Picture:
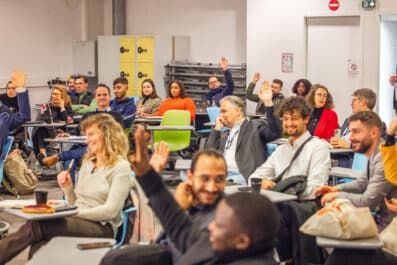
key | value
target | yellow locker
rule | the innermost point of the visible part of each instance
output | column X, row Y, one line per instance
column 144, row 71
column 127, row 70
column 145, row 49
column 127, row 49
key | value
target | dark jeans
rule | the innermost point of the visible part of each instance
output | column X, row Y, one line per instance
column 138, row 255
column 284, row 243
column 37, row 233
column 38, row 139
column 360, row 257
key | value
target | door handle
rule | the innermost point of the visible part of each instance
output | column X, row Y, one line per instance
column 123, row 74
column 141, row 50
column 123, row 50
column 140, row 75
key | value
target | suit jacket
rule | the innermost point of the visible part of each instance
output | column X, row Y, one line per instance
column 251, row 151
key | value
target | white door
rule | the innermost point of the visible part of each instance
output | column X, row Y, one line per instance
column 334, row 48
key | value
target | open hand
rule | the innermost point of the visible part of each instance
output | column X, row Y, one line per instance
column 18, row 78
column 160, row 156
column 140, row 160
column 256, row 77
column 265, row 94
column 224, row 63
column 392, row 128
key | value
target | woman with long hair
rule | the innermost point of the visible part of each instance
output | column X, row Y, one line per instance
column 323, row 120
column 101, row 190
column 150, row 101
column 58, row 110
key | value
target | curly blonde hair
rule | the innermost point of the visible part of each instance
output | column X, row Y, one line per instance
column 115, row 142
column 64, row 94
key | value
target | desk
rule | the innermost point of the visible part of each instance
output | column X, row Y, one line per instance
column 40, row 216
column 64, row 140
column 149, row 119
column 33, row 124
column 274, row 196
column 64, row 251
column 209, row 124
column 183, row 164
column 366, row 243
column 343, row 172
column 279, row 141
column 252, row 116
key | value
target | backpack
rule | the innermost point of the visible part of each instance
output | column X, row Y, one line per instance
column 18, row 178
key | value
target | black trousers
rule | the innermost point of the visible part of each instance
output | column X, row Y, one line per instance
column 138, row 255
column 360, row 257
column 38, row 138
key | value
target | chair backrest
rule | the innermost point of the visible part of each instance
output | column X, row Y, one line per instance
column 213, row 113
column 359, row 161
column 4, row 153
column 271, row 148
column 136, row 98
column 178, row 139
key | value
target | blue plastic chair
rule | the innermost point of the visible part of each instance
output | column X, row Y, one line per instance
column 3, row 156
column 124, row 227
column 359, row 163
column 271, row 148
column 136, row 98
column 213, row 113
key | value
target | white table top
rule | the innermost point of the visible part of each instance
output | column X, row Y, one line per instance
column 274, row 196
column 71, row 139
column 182, row 164
column 279, row 141
column 64, row 251
column 43, row 124
column 40, row 216
column 367, row 243
column 343, row 172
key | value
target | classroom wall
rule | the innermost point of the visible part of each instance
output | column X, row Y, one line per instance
column 274, row 27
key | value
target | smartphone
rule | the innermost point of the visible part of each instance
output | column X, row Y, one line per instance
column 65, row 208
column 337, row 133
column 92, row 245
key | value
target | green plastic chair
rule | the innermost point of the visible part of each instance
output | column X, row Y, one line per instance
column 176, row 139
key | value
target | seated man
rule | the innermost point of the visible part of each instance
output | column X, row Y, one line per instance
column 277, row 98
column 217, row 92
column 237, row 235
column 102, row 96
column 244, row 145
column 199, row 196
column 371, row 188
column 364, row 99
column 82, row 98
column 10, row 120
column 374, row 257
column 313, row 161
column 121, row 103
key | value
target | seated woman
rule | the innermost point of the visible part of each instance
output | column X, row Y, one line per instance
column 178, row 101
column 150, row 101
column 301, row 87
column 57, row 110
column 100, row 193
column 9, row 98
column 323, row 120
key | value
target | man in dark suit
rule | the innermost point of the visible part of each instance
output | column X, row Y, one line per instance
column 10, row 120
column 244, row 145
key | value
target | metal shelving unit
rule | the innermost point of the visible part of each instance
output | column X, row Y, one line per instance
column 195, row 77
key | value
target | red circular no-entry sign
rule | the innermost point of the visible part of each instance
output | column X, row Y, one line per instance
column 333, row 5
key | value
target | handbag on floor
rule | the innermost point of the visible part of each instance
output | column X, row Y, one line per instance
column 389, row 237
column 18, row 178
column 341, row 220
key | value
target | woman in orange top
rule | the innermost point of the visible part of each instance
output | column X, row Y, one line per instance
column 177, row 101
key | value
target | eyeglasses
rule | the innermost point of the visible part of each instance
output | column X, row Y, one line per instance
column 321, row 95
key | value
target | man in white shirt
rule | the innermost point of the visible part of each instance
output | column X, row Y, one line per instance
column 314, row 159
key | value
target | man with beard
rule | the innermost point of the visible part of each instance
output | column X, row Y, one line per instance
column 121, row 103
column 371, row 188
column 199, row 196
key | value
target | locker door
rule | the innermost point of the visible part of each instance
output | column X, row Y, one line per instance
column 127, row 70
column 145, row 49
column 127, row 49
column 144, row 71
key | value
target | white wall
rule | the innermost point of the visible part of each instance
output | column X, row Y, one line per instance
column 216, row 28
column 274, row 27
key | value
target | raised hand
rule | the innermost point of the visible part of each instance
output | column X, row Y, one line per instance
column 392, row 128
column 140, row 160
column 160, row 156
column 18, row 78
column 265, row 94
column 256, row 77
column 224, row 63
